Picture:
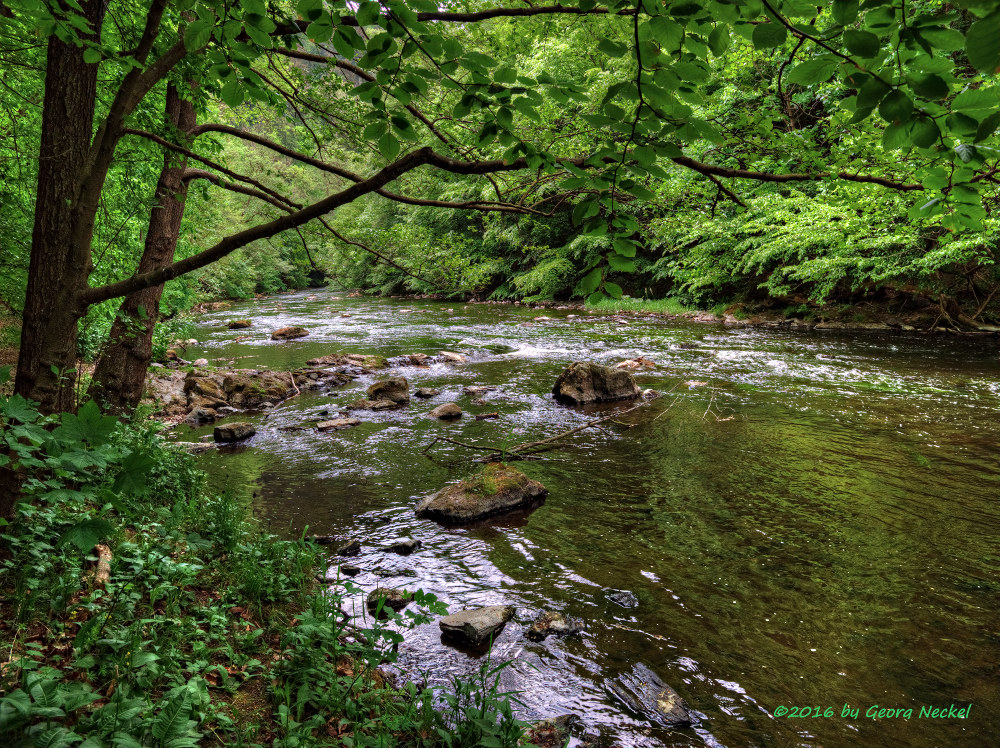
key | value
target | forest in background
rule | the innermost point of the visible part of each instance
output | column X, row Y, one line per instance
column 703, row 241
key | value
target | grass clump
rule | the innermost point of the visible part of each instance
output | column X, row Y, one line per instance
column 139, row 610
column 495, row 478
column 670, row 305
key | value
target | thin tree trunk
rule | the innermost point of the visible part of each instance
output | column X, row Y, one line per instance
column 60, row 244
column 120, row 376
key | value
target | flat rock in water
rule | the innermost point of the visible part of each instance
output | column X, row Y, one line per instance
column 497, row 489
column 643, row 691
column 337, row 423
column 552, row 623
column 447, row 412
column 475, row 390
column 373, row 405
column 477, row 625
column 350, row 359
column 396, row 389
column 425, row 392
column 287, row 333
column 239, row 324
column 584, row 382
column 393, row 599
column 349, row 547
column 234, row 432
column 625, row 598
column 404, row 547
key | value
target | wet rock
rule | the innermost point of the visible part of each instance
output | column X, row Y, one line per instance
column 287, row 333
column 497, row 489
column 625, row 598
column 201, row 362
column 349, row 570
column 476, row 390
column 425, row 392
column 195, row 448
column 382, row 599
column 384, row 573
column 404, row 547
column 337, row 423
column 477, row 625
column 234, row 432
column 552, row 623
column 200, row 415
column 643, row 691
column 203, row 390
column 553, row 732
column 252, row 389
column 346, row 547
column 451, row 357
column 239, row 324
column 636, row 364
column 361, row 361
column 447, row 412
column 650, row 394
column 486, row 416
column 584, row 382
column 373, row 405
column 396, row 389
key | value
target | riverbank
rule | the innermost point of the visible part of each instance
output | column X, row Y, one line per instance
column 138, row 608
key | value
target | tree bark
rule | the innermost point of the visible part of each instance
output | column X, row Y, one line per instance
column 60, row 244
column 120, row 376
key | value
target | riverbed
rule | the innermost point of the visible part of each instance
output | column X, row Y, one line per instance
column 808, row 519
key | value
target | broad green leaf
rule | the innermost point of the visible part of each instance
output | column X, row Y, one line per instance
column 845, row 11
column 589, row 282
column 924, row 132
column 718, row 40
column 667, row 32
column 624, row 247
column 769, row 35
column 388, row 146
column 85, row 535
column 613, row 290
column 812, row 71
column 610, row 48
column 91, row 55
column 197, row 35
column 982, row 44
column 896, row 107
column 621, row 264
column 932, row 87
column 977, row 100
column 861, row 43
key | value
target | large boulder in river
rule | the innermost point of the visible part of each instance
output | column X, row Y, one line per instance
column 478, row 625
column 396, row 389
column 643, row 690
column 239, row 324
column 584, row 382
column 446, row 412
column 497, row 489
column 248, row 390
column 234, row 432
column 287, row 333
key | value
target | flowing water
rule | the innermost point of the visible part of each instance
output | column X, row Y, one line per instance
column 807, row 519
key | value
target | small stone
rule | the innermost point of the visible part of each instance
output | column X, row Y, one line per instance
column 382, row 599
column 234, row 432
column 404, row 547
column 201, row 362
column 239, row 324
column 287, row 333
column 201, row 415
column 552, row 623
column 446, row 412
column 625, row 598
column 350, row 571
column 475, row 390
column 348, row 547
column 425, row 392
column 451, row 357
column 478, row 625
column 373, row 405
column 486, row 416
column 337, row 423
column 396, row 389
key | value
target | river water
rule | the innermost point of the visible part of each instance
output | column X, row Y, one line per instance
column 807, row 519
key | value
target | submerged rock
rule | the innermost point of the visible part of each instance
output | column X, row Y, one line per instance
column 497, row 489
column 425, row 392
column 625, row 598
column 337, row 423
column 447, row 412
column 287, row 333
column 405, row 547
column 643, row 691
column 234, row 432
column 552, row 623
column 584, row 382
column 382, row 599
column 362, row 361
column 348, row 547
column 478, row 625
column 396, row 389
column 553, row 732
column 373, row 405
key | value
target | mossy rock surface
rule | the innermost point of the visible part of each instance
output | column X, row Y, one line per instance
column 496, row 490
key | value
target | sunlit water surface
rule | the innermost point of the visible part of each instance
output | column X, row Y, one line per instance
column 815, row 524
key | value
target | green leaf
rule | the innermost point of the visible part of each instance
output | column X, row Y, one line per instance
column 613, row 290
column 845, row 11
column 620, row 264
column 932, row 87
column 982, row 44
column 624, row 247
column 91, row 55
column 232, row 93
column 197, row 35
column 172, row 719
column 977, row 99
column 87, row 534
column 388, row 146
column 896, row 107
column 812, row 71
column 667, row 32
column 589, row 282
column 718, row 40
column 769, row 35
column 947, row 40
column 924, row 132
column 861, row 43
column 610, row 48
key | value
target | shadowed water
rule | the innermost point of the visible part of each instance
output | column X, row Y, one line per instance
column 807, row 519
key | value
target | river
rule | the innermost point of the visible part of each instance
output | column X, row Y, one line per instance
column 807, row 519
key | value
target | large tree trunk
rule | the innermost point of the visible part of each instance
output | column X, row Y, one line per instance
column 60, row 244
column 120, row 376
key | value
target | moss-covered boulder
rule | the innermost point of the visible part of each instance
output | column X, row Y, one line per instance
column 396, row 389
column 584, row 382
column 245, row 390
column 496, row 490
column 287, row 333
